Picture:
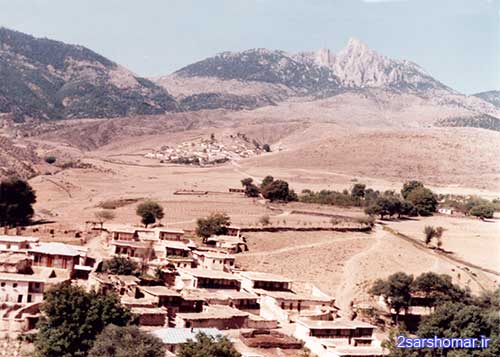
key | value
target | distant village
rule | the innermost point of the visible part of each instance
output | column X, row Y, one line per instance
column 210, row 151
column 198, row 288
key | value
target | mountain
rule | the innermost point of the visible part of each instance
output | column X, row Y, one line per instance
column 358, row 66
column 47, row 79
column 492, row 97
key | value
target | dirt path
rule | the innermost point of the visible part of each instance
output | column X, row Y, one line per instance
column 347, row 288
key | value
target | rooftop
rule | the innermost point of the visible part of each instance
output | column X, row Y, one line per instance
column 214, row 255
column 261, row 276
column 56, row 248
column 21, row 277
column 159, row 291
column 213, row 312
column 175, row 244
column 128, row 243
column 291, row 295
column 18, row 239
column 209, row 274
column 174, row 336
column 12, row 257
column 335, row 324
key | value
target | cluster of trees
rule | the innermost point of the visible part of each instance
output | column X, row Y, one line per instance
column 16, row 202
column 398, row 288
column 207, row 346
column 415, row 199
column 455, row 314
column 150, row 212
column 214, row 224
column 271, row 189
column 471, row 205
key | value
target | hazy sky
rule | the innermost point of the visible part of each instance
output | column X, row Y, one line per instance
column 457, row 41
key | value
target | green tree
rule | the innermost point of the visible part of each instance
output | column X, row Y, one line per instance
column 430, row 232
column 207, row 346
column 396, row 291
column 409, row 186
column 126, row 341
column 266, row 181
column 246, row 181
column 214, row 224
column 120, row 266
column 278, row 190
column 150, row 211
column 439, row 288
column 72, row 318
column 424, row 200
column 251, row 190
column 482, row 211
column 16, row 202
column 358, row 191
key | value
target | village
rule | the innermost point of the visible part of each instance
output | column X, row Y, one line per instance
column 209, row 151
column 191, row 288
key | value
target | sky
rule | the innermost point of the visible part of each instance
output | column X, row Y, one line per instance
column 456, row 41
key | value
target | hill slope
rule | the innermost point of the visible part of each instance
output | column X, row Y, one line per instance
column 42, row 78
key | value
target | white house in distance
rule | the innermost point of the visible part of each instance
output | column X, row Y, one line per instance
column 21, row 288
column 16, row 243
column 338, row 338
column 214, row 260
column 251, row 280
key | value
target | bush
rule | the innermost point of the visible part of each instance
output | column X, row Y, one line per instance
column 50, row 159
column 482, row 211
column 265, row 220
column 120, row 266
column 214, row 224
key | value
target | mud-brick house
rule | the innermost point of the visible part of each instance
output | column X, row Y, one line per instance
column 162, row 296
column 59, row 256
column 218, row 316
column 21, row 288
column 127, row 233
column 170, row 234
column 15, row 262
column 258, row 280
column 338, row 338
column 151, row 316
column 230, row 243
column 176, row 249
column 206, row 279
column 16, row 243
column 132, row 249
column 214, row 260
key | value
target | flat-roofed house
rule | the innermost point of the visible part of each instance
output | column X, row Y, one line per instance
column 177, row 249
column 206, row 279
column 229, row 243
column 15, row 262
column 16, row 243
column 21, row 288
column 170, row 234
column 57, row 255
column 127, row 233
column 258, row 280
column 131, row 249
column 338, row 338
column 173, row 338
column 213, row 260
column 162, row 295
column 218, row 316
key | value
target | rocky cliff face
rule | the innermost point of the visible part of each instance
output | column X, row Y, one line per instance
column 47, row 79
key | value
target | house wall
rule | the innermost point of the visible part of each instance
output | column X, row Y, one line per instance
column 13, row 246
column 235, row 322
column 171, row 236
column 21, row 291
column 55, row 261
column 153, row 319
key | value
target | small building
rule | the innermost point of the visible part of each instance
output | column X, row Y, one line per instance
column 177, row 249
column 218, row 316
column 151, row 316
column 173, row 338
column 21, row 288
column 233, row 231
column 338, row 338
column 230, row 243
column 206, row 279
column 123, row 234
column 214, row 260
column 16, row 243
column 170, row 234
column 58, row 255
column 238, row 299
column 162, row 295
column 121, row 284
column 132, row 249
column 180, row 262
column 258, row 280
